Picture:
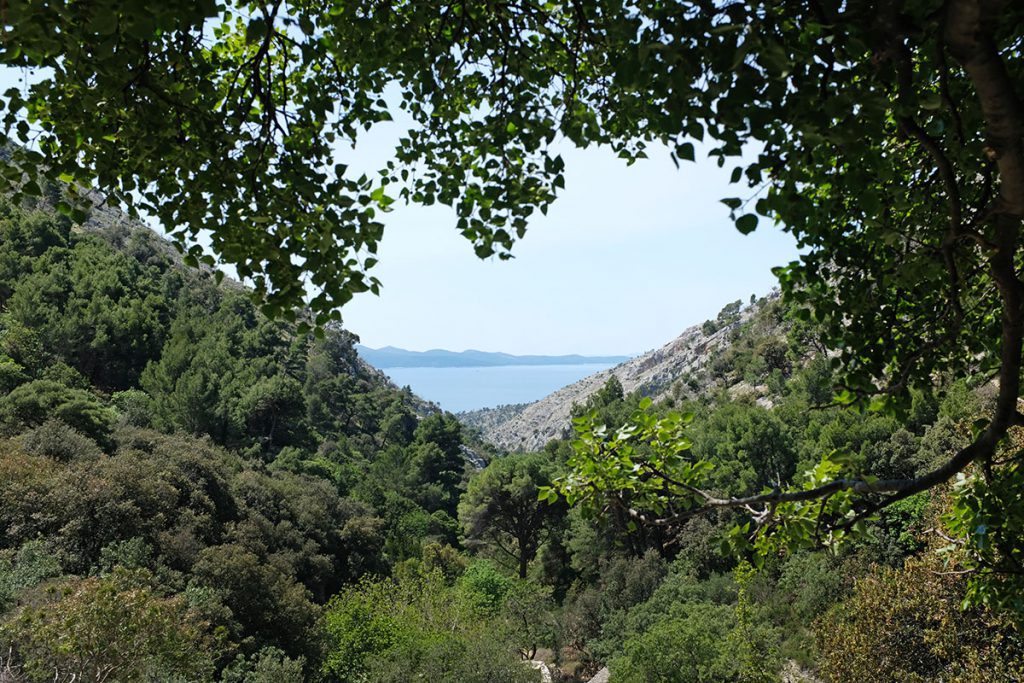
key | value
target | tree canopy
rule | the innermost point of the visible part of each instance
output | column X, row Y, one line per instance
column 501, row 508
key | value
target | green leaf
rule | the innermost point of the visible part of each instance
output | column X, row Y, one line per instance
column 105, row 22
column 256, row 31
column 746, row 223
column 685, row 151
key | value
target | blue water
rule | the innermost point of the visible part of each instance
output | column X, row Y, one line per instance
column 457, row 389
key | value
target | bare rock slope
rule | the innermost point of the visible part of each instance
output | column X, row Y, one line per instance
column 528, row 427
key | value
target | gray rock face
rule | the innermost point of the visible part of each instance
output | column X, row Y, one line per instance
column 531, row 426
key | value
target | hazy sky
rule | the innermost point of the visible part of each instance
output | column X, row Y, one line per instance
column 627, row 258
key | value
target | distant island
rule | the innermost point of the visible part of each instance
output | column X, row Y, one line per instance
column 392, row 357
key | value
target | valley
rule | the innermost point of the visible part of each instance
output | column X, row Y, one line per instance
column 208, row 476
column 270, row 491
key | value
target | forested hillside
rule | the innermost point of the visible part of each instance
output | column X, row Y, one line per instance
column 192, row 492
column 184, row 484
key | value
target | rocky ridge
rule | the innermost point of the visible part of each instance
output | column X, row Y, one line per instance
column 528, row 427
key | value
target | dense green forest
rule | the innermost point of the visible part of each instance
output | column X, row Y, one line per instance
column 201, row 482
column 185, row 483
column 190, row 491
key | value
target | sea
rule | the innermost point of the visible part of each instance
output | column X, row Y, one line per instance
column 459, row 389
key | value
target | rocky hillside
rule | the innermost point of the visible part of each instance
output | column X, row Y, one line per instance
column 696, row 360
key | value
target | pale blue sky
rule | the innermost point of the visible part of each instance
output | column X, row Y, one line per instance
column 627, row 258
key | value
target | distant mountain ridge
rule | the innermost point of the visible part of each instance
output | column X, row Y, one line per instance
column 393, row 357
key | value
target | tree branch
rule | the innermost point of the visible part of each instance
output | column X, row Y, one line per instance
column 900, row 489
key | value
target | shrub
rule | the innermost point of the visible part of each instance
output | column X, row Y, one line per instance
column 56, row 440
column 269, row 665
column 34, row 403
column 116, row 627
column 907, row 625
column 25, row 568
column 11, row 374
column 134, row 406
column 688, row 646
column 388, row 631
column 484, row 587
